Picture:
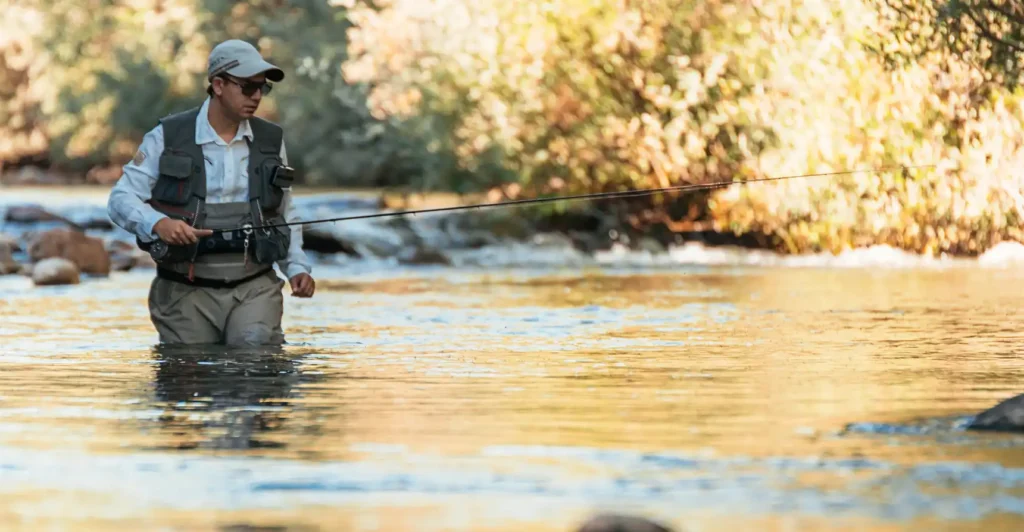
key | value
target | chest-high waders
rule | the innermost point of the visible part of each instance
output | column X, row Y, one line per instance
column 223, row 289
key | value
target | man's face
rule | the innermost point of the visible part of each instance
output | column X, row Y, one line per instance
column 241, row 96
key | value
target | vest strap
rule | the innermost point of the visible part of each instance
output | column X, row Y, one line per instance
column 164, row 208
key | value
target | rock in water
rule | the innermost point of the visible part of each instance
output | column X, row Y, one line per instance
column 10, row 242
column 87, row 253
column 122, row 255
column 423, row 256
column 121, row 262
column 7, row 263
column 1005, row 416
column 621, row 523
column 29, row 214
column 54, row 271
column 144, row 261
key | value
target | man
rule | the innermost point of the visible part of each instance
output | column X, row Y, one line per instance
column 199, row 194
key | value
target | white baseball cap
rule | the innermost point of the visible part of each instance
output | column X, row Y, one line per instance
column 240, row 59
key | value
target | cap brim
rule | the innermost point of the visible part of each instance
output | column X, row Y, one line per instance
column 245, row 71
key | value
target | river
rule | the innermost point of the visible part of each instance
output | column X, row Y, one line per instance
column 706, row 394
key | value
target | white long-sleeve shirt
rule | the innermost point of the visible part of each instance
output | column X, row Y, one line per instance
column 227, row 180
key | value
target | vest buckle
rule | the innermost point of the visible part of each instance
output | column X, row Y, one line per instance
column 247, row 231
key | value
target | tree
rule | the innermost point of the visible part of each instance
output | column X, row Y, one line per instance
column 988, row 34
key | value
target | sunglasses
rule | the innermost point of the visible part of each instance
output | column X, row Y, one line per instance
column 250, row 87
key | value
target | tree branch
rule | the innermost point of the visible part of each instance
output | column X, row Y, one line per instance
column 1015, row 18
column 986, row 33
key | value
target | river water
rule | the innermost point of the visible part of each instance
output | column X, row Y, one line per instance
column 714, row 395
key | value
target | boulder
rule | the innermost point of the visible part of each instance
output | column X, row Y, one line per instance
column 143, row 260
column 1006, row 416
column 27, row 214
column 122, row 255
column 423, row 256
column 121, row 262
column 126, row 256
column 415, row 238
column 10, row 241
column 54, row 271
column 621, row 523
column 650, row 245
column 7, row 263
column 80, row 217
column 88, row 217
column 325, row 242
column 87, row 253
column 364, row 238
column 35, row 175
column 114, row 245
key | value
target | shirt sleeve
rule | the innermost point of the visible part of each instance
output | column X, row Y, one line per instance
column 127, row 205
column 296, row 262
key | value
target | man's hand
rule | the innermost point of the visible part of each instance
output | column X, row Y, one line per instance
column 303, row 285
column 178, row 233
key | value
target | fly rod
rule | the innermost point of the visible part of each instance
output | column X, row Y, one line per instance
column 591, row 196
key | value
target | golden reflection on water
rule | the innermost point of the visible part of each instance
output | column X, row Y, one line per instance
column 443, row 369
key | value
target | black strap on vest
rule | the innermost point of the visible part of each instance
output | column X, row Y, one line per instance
column 179, row 136
column 265, row 193
column 176, row 277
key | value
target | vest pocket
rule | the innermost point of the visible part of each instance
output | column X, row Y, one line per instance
column 174, row 186
column 273, row 179
column 272, row 245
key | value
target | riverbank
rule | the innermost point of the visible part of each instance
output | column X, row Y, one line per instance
column 476, row 238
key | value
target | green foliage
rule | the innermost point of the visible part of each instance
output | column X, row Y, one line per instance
column 99, row 72
column 102, row 72
column 330, row 134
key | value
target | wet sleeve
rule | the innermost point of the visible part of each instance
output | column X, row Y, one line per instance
column 127, row 205
column 297, row 262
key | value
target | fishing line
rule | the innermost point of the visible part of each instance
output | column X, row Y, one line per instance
column 591, row 196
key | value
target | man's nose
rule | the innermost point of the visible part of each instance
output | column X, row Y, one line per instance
column 258, row 95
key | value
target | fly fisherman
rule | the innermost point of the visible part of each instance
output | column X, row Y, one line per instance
column 217, row 167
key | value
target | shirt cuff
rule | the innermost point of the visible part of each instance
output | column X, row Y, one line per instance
column 295, row 269
column 148, row 221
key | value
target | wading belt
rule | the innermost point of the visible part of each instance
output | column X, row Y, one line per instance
column 206, row 283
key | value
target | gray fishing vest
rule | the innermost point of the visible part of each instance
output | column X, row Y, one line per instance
column 180, row 193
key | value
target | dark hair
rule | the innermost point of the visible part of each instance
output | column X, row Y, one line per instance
column 209, row 88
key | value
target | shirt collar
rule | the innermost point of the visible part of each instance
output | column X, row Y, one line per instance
column 205, row 133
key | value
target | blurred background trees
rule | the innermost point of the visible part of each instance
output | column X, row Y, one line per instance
column 988, row 34
column 565, row 96
column 85, row 79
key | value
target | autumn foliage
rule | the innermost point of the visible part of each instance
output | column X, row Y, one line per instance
column 565, row 96
column 587, row 95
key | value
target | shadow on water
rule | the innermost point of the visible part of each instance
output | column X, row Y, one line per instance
column 218, row 397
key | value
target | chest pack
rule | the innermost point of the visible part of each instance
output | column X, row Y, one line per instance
column 180, row 193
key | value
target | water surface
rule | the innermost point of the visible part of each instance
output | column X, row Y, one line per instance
column 510, row 399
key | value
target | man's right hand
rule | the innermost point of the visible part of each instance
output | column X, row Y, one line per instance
column 178, row 233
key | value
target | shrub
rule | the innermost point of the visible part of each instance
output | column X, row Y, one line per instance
column 574, row 95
